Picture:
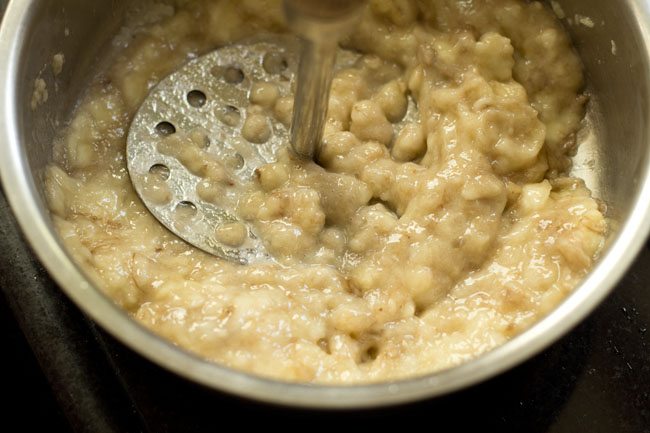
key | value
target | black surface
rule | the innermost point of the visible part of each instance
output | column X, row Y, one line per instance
column 596, row 379
column 31, row 402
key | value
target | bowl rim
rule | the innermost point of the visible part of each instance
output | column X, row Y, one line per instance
column 33, row 219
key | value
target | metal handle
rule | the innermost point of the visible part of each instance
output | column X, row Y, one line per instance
column 322, row 23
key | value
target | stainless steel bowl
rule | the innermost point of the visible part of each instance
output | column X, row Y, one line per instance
column 613, row 159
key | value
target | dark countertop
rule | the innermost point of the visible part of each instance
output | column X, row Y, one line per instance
column 77, row 378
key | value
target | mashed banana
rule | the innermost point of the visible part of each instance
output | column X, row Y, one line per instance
column 412, row 247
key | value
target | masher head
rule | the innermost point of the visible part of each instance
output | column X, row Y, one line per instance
column 191, row 154
column 186, row 154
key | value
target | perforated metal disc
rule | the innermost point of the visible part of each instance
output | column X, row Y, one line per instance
column 201, row 110
column 205, row 104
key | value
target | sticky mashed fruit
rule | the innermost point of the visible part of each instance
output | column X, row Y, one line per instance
column 414, row 245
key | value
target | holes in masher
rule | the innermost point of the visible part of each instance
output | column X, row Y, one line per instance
column 185, row 210
column 233, row 75
column 229, row 115
column 235, row 162
column 196, row 98
column 165, row 128
column 200, row 138
column 161, row 171
column 274, row 63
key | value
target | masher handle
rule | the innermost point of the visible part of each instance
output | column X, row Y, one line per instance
column 322, row 24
